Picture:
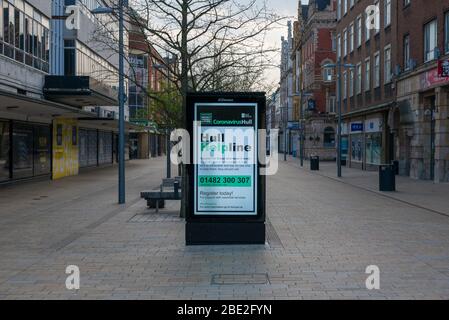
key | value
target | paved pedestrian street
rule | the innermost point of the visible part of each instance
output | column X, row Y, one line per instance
column 322, row 235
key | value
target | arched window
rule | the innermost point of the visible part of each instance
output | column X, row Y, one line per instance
column 329, row 137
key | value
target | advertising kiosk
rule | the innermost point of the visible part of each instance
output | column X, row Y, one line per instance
column 226, row 193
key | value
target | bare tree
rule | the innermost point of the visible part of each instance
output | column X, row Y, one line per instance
column 220, row 44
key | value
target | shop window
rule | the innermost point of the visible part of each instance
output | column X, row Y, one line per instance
column 22, row 151
column 59, row 135
column 357, row 148
column 74, row 136
column 4, row 151
column 42, row 150
column 373, row 148
column 329, row 137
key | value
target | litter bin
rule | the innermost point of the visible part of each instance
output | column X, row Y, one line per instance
column 387, row 178
column 395, row 164
column 314, row 163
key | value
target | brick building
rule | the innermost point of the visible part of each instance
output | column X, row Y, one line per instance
column 146, row 76
column 368, row 88
column 420, row 120
column 314, row 47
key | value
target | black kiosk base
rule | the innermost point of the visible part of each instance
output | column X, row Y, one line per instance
column 203, row 233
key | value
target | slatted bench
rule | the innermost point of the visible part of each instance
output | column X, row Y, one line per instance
column 156, row 198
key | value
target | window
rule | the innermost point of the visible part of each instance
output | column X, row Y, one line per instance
column 351, row 82
column 387, row 64
column 376, row 70
column 377, row 15
column 4, row 150
column 387, row 12
column 358, row 83
column 430, row 40
column 357, row 148
column 406, row 2
column 329, row 137
column 359, row 31
column 446, row 32
column 367, row 28
column 345, row 6
column 339, row 9
column 25, row 34
column 406, row 49
column 327, row 74
column 345, row 43
column 338, row 46
column 373, row 148
column 331, row 104
column 367, row 74
column 351, row 3
column 345, row 84
column 351, row 37
column 334, row 42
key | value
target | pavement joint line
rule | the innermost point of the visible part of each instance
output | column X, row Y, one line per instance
column 378, row 193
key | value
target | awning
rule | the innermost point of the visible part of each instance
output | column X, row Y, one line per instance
column 79, row 91
column 22, row 106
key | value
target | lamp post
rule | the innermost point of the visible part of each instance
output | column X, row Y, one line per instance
column 339, row 65
column 302, row 126
column 167, row 130
column 121, row 95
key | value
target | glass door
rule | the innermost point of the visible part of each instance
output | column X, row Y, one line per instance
column 42, row 150
column 22, row 151
column 4, row 151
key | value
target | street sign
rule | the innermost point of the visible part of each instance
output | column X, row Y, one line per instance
column 294, row 126
column 311, row 105
column 356, row 127
column 226, row 192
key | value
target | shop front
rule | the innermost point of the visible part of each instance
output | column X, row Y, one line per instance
column 421, row 125
column 366, row 141
column 25, row 150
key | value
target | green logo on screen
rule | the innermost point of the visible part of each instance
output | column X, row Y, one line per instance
column 206, row 118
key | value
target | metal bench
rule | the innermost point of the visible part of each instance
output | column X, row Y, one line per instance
column 156, row 199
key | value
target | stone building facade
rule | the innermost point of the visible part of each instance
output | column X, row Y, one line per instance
column 420, row 120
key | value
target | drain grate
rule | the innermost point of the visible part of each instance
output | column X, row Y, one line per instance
column 272, row 237
column 39, row 198
column 240, row 279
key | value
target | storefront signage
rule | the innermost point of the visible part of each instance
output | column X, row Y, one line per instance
column 294, row 126
column 432, row 78
column 356, row 127
column 443, row 68
column 373, row 125
column 225, row 159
